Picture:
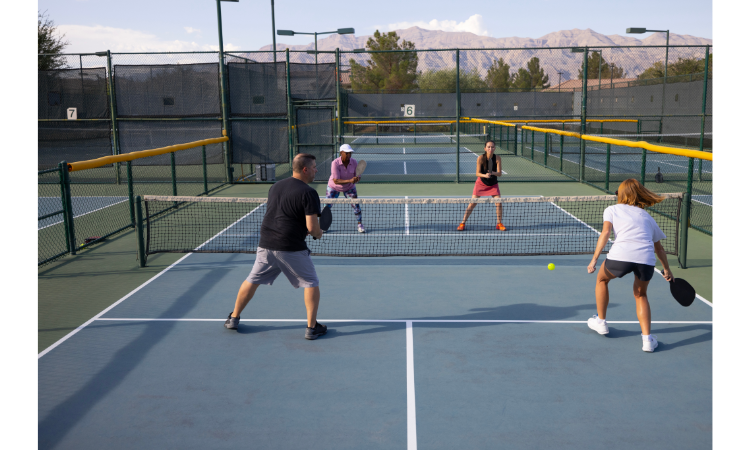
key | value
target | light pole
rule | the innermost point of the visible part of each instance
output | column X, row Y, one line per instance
column 273, row 30
column 223, row 88
column 316, row 33
column 666, row 60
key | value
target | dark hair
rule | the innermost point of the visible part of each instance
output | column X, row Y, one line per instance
column 484, row 154
column 301, row 161
column 488, row 141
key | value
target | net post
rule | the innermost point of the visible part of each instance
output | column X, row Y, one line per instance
column 458, row 113
column 606, row 169
column 139, row 233
column 68, row 208
column 63, row 167
column 131, row 196
column 205, row 170
column 584, row 99
column 174, row 173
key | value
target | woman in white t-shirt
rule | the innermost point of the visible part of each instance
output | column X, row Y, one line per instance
column 637, row 238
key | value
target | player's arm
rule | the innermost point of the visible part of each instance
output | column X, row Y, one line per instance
column 479, row 169
column 603, row 238
column 662, row 255
column 313, row 226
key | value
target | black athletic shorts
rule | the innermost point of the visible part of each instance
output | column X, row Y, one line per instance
column 644, row 272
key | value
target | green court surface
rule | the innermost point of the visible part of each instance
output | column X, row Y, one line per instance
column 440, row 352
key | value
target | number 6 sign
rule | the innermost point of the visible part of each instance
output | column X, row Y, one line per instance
column 408, row 110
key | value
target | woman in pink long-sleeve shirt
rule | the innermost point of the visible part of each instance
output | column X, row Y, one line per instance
column 343, row 180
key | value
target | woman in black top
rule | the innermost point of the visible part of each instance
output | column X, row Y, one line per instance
column 486, row 183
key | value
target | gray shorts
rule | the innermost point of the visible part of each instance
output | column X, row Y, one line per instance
column 297, row 266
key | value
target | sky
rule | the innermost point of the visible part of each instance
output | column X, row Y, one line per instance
column 189, row 25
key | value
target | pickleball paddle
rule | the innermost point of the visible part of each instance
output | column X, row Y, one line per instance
column 361, row 166
column 681, row 291
column 326, row 218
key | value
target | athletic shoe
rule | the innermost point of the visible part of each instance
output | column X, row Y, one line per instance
column 318, row 330
column 232, row 322
column 651, row 344
column 500, row 227
column 600, row 328
column 360, row 228
column 461, row 227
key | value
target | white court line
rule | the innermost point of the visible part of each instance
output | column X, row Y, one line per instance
column 88, row 212
column 411, row 408
column 375, row 234
column 404, row 150
column 98, row 316
column 663, row 322
column 579, row 220
column 404, row 167
column 406, row 217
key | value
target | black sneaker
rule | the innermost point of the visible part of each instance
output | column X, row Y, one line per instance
column 313, row 333
column 231, row 322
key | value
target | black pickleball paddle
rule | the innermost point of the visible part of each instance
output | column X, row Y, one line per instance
column 681, row 290
column 326, row 218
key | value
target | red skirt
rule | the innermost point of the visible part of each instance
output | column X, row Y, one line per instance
column 482, row 190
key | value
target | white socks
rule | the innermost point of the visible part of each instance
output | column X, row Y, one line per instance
column 600, row 321
column 646, row 337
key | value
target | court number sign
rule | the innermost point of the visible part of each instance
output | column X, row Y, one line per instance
column 408, row 110
column 72, row 114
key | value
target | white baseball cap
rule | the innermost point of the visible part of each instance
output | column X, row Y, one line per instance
column 346, row 148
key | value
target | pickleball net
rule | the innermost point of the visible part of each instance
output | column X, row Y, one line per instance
column 400, row 226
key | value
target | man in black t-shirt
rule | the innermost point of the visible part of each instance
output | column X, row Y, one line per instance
column 291, row 214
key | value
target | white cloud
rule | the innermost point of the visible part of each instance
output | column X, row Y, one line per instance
column 474, row 24
column 89, row 39
column 192, row 30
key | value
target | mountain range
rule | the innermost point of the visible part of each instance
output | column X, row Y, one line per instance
column 516, row 51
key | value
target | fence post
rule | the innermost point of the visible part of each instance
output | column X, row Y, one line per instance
column 703, row 112
column 131, row 192
column 562, row 149
column 68, row 208
column 63, row 167
column 113, row 114
column 546, row 148
column 174, row 173
column 139, row 232
column 584, row 99
column 685, row 218
column 224, row 119
column 289, row 111
column 606, row 169
column 458, row 113
column 532, row 145
column 205, row 170
column 338, row 98
column 643, row 166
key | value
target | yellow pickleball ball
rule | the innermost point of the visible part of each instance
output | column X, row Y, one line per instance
column 551, row 266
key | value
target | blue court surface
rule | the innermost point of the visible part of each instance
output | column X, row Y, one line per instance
column 444, row 353
column 81, row 207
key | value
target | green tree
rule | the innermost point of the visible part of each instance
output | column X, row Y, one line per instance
column 499, row 77
column 683, row 66
column 51, row 42
column 386, row 71
column 533, row 77
column 609, row 70
column 444, row 80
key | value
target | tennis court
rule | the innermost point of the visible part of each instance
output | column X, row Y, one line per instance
column 81, row 207
column 430, row 352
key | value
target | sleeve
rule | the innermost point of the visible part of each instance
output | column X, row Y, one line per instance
column 609, row 215
column 311, row 202
column 656, row 233
column 335, row 175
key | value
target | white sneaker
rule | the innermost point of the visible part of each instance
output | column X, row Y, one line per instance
column 600, row 328
column 360, row 228
column 651, row 344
